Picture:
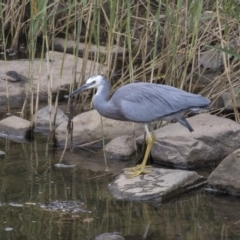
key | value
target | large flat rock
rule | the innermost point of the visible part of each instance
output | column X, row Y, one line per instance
column 158, row 185
column 58, row 71
column 87, row 128
column 226, row 178
column 212, row 140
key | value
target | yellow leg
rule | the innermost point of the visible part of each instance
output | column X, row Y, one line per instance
column 140, row 169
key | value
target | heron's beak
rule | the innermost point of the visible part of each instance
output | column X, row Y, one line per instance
column 81, row 89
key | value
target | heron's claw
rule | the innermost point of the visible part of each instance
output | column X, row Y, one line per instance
column 136, row 168
column 136, row 171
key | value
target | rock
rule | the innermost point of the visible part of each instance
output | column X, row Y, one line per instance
column 8, row 229
column 16, row 76
column 202, row 80
column 212, row 59
column 198, row 82
column 226, row 178
column 158, row 185
column 207, row 77
column 87, row 128
column 61, row 44
column 43, row 116
column 212, row 140
column 2, row 154
column 65, row 206
column 15, row 127
column 61, row 74
column 88, row 220
column 122, row 148
column 110, row 236
column 234, row 43
column 227, row 99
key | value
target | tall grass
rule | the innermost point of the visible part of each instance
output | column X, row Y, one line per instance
column 160, row 41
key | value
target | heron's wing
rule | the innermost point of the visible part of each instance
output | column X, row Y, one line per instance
column 144, row 102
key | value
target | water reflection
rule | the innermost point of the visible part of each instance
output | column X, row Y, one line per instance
column 29, row 179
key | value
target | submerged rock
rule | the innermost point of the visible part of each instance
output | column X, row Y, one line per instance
column 212, row 140
column 16, row 204
column 226, row 178
column 158, row 185
column 8, row 229
column 87, row 128
column 64, row 206
column 43, row 117
column 110, row 236
column 15, row 127
column 122, row 148
column 2, row 154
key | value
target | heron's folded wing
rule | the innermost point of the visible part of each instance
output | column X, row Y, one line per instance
column 141, row 102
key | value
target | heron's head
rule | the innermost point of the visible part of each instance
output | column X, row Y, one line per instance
column 95, row 81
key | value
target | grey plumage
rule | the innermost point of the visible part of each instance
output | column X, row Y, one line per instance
column 144, row 102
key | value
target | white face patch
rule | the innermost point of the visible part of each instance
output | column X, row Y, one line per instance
column 97, row 79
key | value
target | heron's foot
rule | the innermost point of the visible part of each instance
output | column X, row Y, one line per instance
column 136, row 171
column 137, row 168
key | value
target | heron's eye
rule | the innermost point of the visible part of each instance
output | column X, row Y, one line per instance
column 93, row 82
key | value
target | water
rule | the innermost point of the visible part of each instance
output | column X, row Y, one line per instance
column 41, row 201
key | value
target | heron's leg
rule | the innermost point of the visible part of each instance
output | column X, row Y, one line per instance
column 140, row 169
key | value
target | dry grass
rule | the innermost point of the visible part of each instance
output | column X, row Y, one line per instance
column 164, row 42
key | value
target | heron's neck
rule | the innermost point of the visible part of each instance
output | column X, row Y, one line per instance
column 102, row 93
column 101, row 98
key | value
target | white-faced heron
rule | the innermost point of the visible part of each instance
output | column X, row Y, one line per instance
column 143, row 103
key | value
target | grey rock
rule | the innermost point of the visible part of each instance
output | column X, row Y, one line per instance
column 2, row 154
column 226, row 178
column 61, row 76
column 87, row 128
column 16, row 76
column 61, row 44
column 213, row 139
column 203, row 79
column 43, row 117
column 15, row 127
column 64, row 206
column 122, row 148
column 227, row 99
column 110, row 236
column 211, row 59
column 158, row 185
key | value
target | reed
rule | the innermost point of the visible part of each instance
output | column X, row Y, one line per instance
column 162, row 41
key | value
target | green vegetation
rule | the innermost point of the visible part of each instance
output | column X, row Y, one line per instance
column 163, row 41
